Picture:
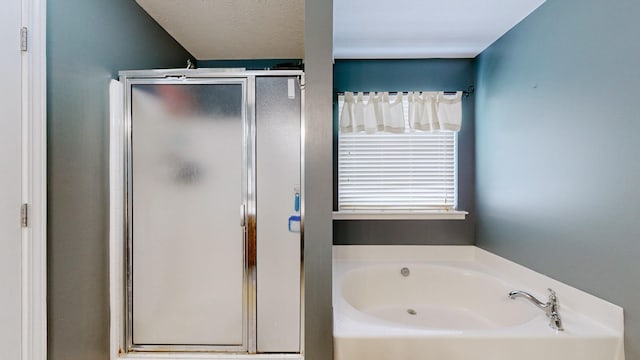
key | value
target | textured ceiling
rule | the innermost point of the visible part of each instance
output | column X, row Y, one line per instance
column 233, row 29
column 274, row 29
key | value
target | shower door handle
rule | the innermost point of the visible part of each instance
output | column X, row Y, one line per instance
column 243, row 215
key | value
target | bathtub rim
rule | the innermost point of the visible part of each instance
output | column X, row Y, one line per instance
column 602, row 312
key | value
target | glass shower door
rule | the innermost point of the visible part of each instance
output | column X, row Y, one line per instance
column 187, row 179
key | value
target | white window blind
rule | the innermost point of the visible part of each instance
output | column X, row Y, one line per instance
column 413, row 170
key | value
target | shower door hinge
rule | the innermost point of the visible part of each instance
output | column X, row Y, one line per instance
column 23, row 38
column 24, row 215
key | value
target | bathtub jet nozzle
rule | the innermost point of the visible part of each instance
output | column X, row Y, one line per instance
column 405, row 271
column 550, row 307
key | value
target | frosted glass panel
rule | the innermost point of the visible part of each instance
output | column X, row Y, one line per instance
column 278, row 137
column 187, row 189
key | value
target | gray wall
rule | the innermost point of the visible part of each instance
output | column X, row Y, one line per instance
column 88, row 42
column 318, row 52
column 558, row 139
column 408, row 75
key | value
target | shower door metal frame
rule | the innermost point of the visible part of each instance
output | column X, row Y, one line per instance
column 247, row 219
column 121, row 342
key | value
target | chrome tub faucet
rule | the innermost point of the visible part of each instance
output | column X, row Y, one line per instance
column 550, row 307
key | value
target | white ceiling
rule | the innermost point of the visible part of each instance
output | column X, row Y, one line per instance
column 274, row 29
column 422, row 28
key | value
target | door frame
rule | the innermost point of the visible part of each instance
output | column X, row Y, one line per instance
column 34, row 182
column 247, row 199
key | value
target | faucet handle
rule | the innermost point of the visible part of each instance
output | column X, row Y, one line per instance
column 552, row 305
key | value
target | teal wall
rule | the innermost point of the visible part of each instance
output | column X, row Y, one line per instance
column 558, row 144
column 87, row 43
column 250, row 64
column 413, row 75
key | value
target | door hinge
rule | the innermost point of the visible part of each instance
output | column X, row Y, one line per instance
column 24, row 215
column 23, row 38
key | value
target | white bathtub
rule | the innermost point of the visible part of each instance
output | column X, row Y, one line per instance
column 453, row 305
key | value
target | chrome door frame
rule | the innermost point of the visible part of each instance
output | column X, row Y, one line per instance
column 248, row 200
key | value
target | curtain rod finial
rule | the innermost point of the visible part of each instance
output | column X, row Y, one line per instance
column 470, row 91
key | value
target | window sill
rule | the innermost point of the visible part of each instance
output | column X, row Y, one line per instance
column 399, row 215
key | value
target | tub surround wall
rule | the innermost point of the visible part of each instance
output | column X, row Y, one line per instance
column 88, row 42
column 407, row 75
column 557, row 149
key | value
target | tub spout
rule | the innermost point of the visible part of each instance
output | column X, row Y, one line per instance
column 550, row 307
column 526, row 295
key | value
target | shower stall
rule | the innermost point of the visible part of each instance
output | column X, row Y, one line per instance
column 207, row 209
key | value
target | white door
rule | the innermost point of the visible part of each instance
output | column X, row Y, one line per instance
column 10, row 180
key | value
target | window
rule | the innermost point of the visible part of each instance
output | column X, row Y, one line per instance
column 396, row 172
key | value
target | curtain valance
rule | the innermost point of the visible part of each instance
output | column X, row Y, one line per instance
column 426, row 111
